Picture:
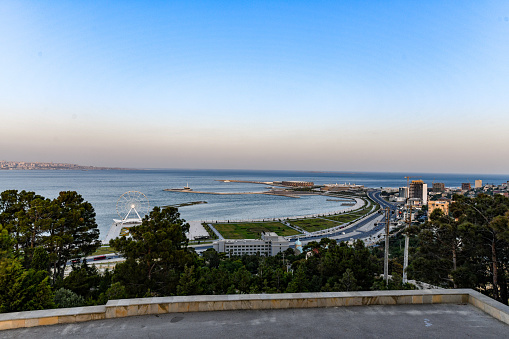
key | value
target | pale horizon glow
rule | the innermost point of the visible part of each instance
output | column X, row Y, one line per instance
column 322, row 86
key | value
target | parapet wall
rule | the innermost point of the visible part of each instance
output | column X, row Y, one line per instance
column 204, row 303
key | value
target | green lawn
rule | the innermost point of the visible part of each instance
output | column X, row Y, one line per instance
column 315, row 224
column 312, row 225
column 252, row 230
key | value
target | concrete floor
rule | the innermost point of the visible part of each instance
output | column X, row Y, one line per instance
column 401, row 321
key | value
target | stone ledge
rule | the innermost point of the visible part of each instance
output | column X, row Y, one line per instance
column 205, row 303
column 51, row 317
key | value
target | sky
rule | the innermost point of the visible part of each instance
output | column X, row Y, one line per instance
column 297, row 85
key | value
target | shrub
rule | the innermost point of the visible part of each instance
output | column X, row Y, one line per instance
column 67, row 298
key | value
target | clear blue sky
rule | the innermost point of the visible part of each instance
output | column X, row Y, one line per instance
column 324, row 85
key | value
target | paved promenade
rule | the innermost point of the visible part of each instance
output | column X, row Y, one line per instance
column 196, row 229
column 216, row 232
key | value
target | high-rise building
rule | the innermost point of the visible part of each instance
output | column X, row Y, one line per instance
column 465, row 186
column 419, row 190
column 478, row 184
column 403, row 192
column 438, row 187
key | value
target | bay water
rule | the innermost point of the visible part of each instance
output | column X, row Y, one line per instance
column 103, row 189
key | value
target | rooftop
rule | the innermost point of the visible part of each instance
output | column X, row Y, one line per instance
column 366, row 314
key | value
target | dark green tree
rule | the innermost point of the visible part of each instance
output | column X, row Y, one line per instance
column 440, row 250
column 189, row 283
column 469, row 248
column 348, row 281
column 486, row 223
column 22, row 213
column 40, row 260
column 156, row 254
column 20, row 289
column 73, row 233
column 299, row 282
column 65, row 227
column 83, row 280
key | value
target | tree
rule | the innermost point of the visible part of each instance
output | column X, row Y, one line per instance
column 40, row 260
column 299, row 282
column 440, row 251
column 20, row 213
column 83, row 280
column 73, row 233
column 65, row 226
column 156, row 254
column 348, row 281
column 20, row 289
column 188, row 283
column 469, row 248
column 116, row 291
column 486, row 221
column 212, row 258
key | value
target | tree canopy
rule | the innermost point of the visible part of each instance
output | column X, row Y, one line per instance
column 156, row 254
column 468, row 248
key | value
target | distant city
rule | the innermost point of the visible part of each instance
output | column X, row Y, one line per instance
column 22, row 165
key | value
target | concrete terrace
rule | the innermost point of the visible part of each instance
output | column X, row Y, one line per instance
column 397, row 314
column 405, row 321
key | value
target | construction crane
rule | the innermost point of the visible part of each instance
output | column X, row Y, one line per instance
column 408, row 181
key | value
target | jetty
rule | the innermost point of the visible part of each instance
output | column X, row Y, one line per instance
column 247, row 181
column 289, row 194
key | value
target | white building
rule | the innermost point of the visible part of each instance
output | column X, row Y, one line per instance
column 270, row 244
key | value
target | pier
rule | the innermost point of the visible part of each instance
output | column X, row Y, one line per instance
column 289, row 194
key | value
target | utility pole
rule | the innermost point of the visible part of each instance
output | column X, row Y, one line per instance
column 407, row 241
column 386, row 255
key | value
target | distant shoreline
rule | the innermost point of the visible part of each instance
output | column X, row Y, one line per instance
column 50, row 166
column 72, row 169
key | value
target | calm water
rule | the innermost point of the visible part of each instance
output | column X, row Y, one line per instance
column 103, row 188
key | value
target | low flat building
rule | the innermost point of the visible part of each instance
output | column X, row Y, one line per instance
column 298, row 183
column 269, row 245
column 341, row 187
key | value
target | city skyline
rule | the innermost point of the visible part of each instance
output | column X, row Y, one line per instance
column 269, row 85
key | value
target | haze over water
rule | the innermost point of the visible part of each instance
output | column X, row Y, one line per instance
column 393, row 86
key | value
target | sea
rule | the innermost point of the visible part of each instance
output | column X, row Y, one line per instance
column 103, row 189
